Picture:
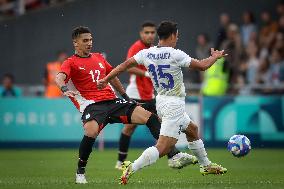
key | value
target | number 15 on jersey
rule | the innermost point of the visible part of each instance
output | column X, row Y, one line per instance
column 158, row 73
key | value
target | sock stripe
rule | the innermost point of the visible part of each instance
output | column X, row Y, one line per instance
column 124, row 153
column 82, row 160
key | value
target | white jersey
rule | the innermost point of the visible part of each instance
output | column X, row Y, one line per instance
column 164, row 65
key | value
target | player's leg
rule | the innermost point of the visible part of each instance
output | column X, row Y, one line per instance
column 174, row 155
column 177, row 159
column 93, row 119
column 151, row 154
column 195, row 144
column 91, row 131
column 169, row 134
column 148, row 157
column 124, row 141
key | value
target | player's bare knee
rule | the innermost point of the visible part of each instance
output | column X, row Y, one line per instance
column 146, row 115
column 91, row 133
column 140, row 115
column 91, row 129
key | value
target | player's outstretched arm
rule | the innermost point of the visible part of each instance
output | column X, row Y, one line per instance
column 138, row 72
column 131, row 62
column 60, row 81
column 119, row 88
column 115, row 82
column 204, row 64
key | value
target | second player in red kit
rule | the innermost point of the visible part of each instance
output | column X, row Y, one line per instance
column 140, row 85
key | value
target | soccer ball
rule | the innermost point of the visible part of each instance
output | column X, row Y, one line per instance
column 239, row 145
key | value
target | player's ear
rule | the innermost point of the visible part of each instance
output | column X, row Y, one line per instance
column 75, row 43
column 141, row 33
column 172, row 36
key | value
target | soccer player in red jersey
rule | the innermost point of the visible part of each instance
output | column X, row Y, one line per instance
column 141, row 90
column 78, row 80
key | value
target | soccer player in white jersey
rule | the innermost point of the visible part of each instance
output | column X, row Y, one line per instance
column 164, row 64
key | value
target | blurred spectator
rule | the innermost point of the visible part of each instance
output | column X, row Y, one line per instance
column 279, row 41
column 280, row 8
column 8, row 89
column 202, row 51
column 267, row 31
column 222, row 31
column 19, row 7
column 216, row 78
column 203, row 46
column 263, row 72
column 51, row 70
column 253, row 63
column 277, row 62
column 271, row 73
column 6, row 7
column 233, row 47
column 248, row 29
column 281, row 25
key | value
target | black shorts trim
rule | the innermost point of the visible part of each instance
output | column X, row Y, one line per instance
column 110, row 111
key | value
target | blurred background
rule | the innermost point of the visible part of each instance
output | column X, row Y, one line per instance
column 243, row 95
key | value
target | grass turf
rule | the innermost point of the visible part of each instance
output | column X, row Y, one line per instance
column 34, row 169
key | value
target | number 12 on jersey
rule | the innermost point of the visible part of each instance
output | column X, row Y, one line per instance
column 159, row 72
column 95, row 79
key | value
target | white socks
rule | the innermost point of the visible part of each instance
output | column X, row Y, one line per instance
column 148, row 157
column 197, row 148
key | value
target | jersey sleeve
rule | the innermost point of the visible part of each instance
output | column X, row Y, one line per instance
column 139, row 57
column 182, row 59
column 108, row 67
column 66, row 69
column 131, row 52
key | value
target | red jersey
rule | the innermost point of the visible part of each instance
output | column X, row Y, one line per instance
column 139, row 87
column 82, row 75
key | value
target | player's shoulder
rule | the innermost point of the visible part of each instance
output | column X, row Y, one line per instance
column 178, row 53
column 137, row 46
column 69, row 60
column 143, row 52
column 98, row 55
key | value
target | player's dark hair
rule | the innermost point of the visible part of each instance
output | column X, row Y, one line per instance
column 80, row 30
column 166, row 29
column 148, row 24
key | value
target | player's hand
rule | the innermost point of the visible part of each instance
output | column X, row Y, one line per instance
column 71, row 93
column 101, row 84
column 217, row 54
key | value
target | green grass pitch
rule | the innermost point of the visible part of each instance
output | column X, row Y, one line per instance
column 52, row 169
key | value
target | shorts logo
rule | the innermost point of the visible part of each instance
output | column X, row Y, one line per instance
column 180, row 127
column 88, row 116
column 121, row 101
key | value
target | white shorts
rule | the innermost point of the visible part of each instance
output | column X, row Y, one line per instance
column 171, row 110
